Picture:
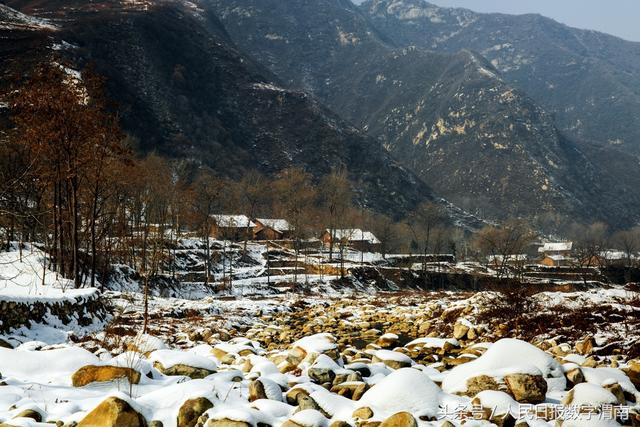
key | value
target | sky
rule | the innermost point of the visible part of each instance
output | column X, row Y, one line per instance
column 618, row 17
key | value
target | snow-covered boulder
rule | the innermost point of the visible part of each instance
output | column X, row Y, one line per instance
column 51, row 366
column 406, row 389
column 522, row 369
column 393, row 359
column 92, row 374
column 264, row 388
column 191, row 410
column 113, row 412
column 176, row 362
column 586, row 394
column 400, row 419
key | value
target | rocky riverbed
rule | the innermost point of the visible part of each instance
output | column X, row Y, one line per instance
column 386, row 359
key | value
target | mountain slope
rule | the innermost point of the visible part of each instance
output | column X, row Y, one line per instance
column 184, row 90
column 590, row 81
column 451, row 118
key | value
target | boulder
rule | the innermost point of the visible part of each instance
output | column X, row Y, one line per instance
column 91, row 373
column 393, row 359
column 263, row 388
column 295, row 394
column 400, row 419
column 352, row 390
column 388, row 340
column 586, row 394
column 460, row 331
column 526, row 388
column 30, row 413
column 480, row 383
column 226, row 422
column 191, row 410
column 574, row 376
column 363, row 413
column 633, row 372
column 113, row 412
column 183, row 370
column 321, row 375
column 617, row 391
column 586, row 345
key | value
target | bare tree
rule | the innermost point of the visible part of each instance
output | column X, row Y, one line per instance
column 590, row 243
column 501, row 243
column 205, row 197
column 628, row 241
column 295, row 195
column 335, row 199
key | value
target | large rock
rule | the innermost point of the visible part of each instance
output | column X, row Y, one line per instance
column 633, row 372
column 393, row 359
column 574, row 376
column 321, row 375
column 363, row 413
column 400, row 419
column 226, row 422
column 526, row 388
column 264, row 388
column 90, row 374
column 191, row 410
column 30, row 413
column 480, row 383
column 585, row 346
column 184, row 370
column 460, row 331
column 113, row 412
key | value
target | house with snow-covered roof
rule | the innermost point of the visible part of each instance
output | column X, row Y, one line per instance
column 232, row 227
column 357, row 238
column 272, row 229
column 556, row 248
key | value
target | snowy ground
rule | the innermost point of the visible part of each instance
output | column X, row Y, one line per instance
column 269, row 354
column 23, row 278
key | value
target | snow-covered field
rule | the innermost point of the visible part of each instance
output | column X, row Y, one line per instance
column 324, row 356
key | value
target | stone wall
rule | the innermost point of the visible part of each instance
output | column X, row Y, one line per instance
column 82, row 311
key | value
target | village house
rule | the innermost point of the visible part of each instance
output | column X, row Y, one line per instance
column 556, row 261
column 272, row 229
column 356, row 238
column 556, row 248
column 556, row 254
column 610, row 258
column 232, row 227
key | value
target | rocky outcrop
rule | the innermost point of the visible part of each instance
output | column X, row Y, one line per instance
column 83, row 310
